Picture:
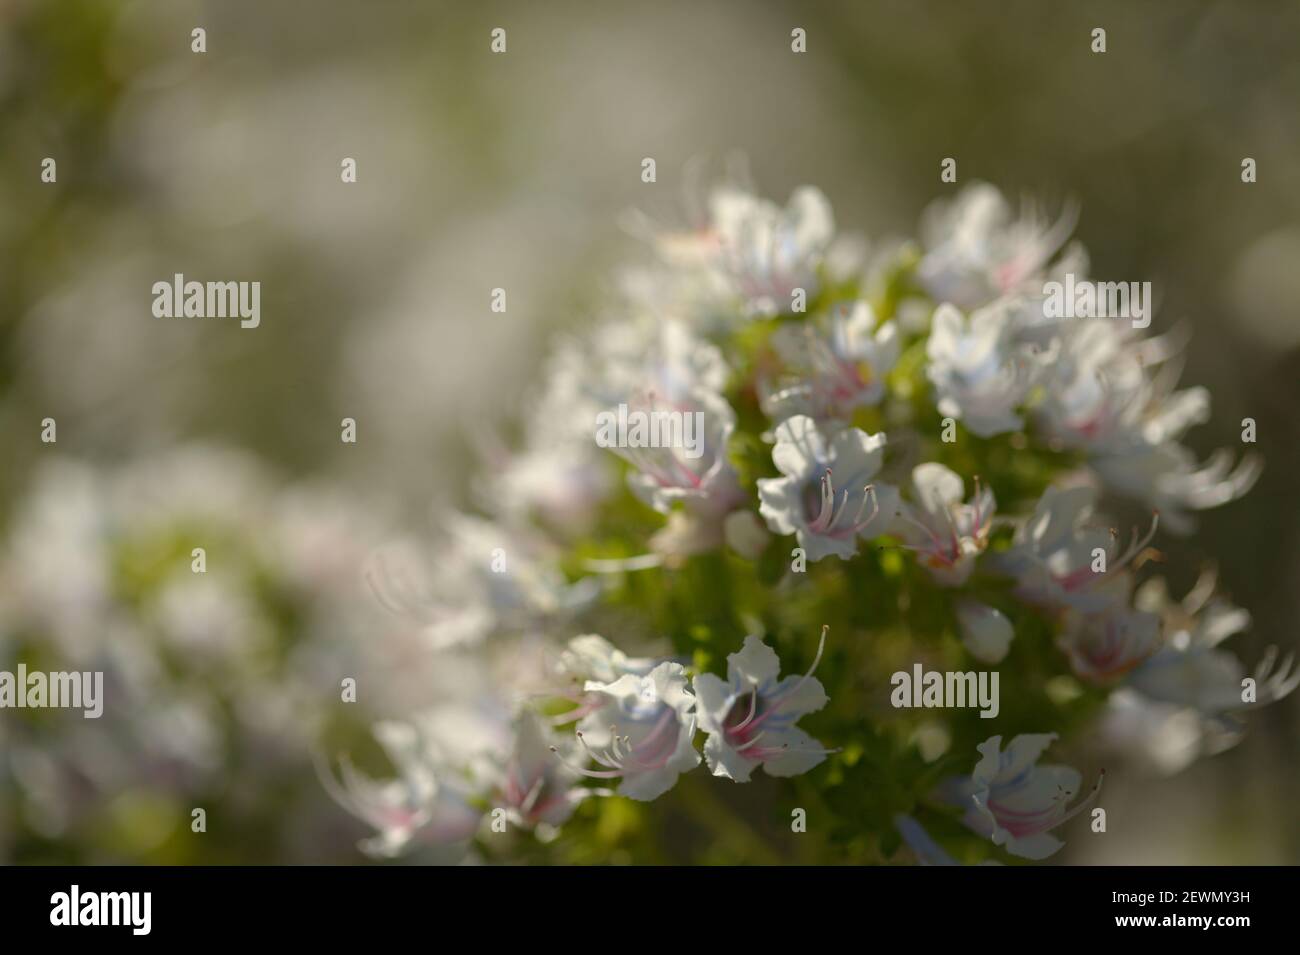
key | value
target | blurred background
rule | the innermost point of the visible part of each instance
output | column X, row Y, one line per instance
column 478, row 171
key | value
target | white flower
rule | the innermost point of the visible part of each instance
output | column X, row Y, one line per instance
column 561, row 483
column 534, row 788
column 669, row 475
column 642, row 732
column 588, row 658
column 976, row 252
column 946, row 534
column 1054, row 554
column 985, row 631
column 837, row 372
column 1104, row 647
column 1164, row 738
column 479, row 579
column 766, row 252
column 646, row 353
column 980, row 376
column 735, row 246
column 1211, row 680
column 1016, row 802
column 751, row 718
column 1115, row 399
column 1093, row 386
column 427, row 803
column 827, row 497
column 1187, row 699
column 1169, row 478
column 620, row 360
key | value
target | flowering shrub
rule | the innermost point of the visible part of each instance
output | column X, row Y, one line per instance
column 900, row 466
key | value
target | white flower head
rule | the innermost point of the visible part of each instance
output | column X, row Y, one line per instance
column 946, row 533
column 836, row 372
column 643, row 731
column 979, row 374
column 559, row 480
column 1016, row 802
column 751, row 718
column 828, row 497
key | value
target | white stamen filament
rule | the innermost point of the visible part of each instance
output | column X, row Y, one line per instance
column 753, row 708
column 774, row 705
column 828, row 516
column 622, row 756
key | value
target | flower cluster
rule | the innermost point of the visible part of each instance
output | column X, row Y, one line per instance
column 224, row 613
column 902, row 443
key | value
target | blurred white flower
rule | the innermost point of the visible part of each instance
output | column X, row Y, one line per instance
column 477, row 579
column 1105, row 647
column 980, row 376
column 946, row 533
column 1169, row 478
column 1115, row 399
column 1014, row 801
column 430, row 802
column 835, row 372
column 1163, row 738
column 765, row 251
column 1060, row 560
column 535, row 788
column 976, row 251
column 1212, row 681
